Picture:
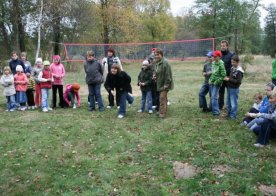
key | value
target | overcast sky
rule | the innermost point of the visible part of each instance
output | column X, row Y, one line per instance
column 178, row 5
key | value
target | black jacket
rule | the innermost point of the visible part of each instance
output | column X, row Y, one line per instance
column 120, row 82
column 14, row 63
column 235, row 78
column 226, row 58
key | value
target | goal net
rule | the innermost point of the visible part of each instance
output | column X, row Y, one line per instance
column 173, row 50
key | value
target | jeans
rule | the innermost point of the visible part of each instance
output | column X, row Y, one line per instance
column 214, row 99
column 267, row 127
column 221, row 95
column 45, row 97
column 205, row 88
column 232, row 102
column 58, row 88
column 21, row 98
column 146, row 96
column 254, row 123
column 11, row 104
column 95, row 91
column 124, row 96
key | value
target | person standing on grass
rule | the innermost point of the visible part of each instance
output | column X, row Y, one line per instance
column 30, row 92
column 94, row 78
column 45, row 78
column 58, row 72
column 107, row 63
column 233, row 87
column 216, row 80
column 164, row 81
column 121, row 82
column 145, row 83
column 35, row 72
column 7, row 81
column 205, row 88
column 14, row 62
column 28, row 66
column 21, row 85
column 274, row 71
column 226, row 58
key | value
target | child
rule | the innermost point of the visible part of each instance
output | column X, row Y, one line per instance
column 94, row 79
column 14, row 62
column 21, row 85
column 7, row 81
column 30, row 92
column 205, row 88
column 28, row 66
column 216, row 80
column 233, row 84
column 35, row 72
column 72, row 91
column 45, row 78
column 120, row 81
column 255, row 108
column 58, row 71
column 145, row 83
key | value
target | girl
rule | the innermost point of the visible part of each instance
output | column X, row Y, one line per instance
column 35, row 72
column 21, row 84
column 30, row 92
column 145, row 83
column 7, row 81
column 120, row 81
column 45, row 78
column 72, row 91
column 28, row 66
column 58, row 72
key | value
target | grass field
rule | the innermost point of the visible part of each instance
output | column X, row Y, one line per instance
column 73, row 152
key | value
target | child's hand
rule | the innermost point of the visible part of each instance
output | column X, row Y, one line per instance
column 142, row 84
column 226, row 78
column 112, row 92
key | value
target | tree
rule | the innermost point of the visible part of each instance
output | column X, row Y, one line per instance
column 270, row 31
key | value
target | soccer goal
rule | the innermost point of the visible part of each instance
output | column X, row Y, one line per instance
column 173, row 50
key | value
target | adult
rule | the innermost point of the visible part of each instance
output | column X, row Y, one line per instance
column 14, row 62
column 226, row 58
column 107, row 63
column 164, row 80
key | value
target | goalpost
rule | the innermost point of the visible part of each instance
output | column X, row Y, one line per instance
column 173, row 50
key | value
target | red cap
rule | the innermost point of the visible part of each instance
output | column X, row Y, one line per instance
column 217, row 53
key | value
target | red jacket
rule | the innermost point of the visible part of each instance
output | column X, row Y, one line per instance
column 46, row 74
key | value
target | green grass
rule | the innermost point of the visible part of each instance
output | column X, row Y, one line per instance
column 73, row 152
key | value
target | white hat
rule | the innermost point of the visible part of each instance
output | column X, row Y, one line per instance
column 19, row 68
column 145, row 62
column 38, row 60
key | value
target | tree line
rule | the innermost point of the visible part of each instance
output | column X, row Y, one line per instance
column 38, row 26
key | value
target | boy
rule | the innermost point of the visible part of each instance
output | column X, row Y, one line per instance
column 216, row 80
column 205, row 88
column 233, row 83
column 14, row 62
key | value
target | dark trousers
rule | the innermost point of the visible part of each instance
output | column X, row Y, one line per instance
column 30, row 97
column 249, row 119
column 111, row 98
column 221, row 95
column 268, row 128
column 58, row 88
column 155, row 95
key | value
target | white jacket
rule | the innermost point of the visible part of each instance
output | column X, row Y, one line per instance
column 105, row 65
column 8, row 82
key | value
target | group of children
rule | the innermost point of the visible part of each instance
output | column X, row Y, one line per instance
column 20, row 81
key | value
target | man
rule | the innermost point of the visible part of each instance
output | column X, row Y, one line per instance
column 164, row 81
column 226, row 58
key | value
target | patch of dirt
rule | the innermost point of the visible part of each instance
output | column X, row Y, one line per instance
column 184, row 170
column 221, row 169
column 267, row 190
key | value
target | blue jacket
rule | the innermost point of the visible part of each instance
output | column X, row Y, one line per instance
column 265, row 105
column 14, row 63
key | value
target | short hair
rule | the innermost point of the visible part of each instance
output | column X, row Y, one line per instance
column 235, row 58
column 271, row 85
column 111, row 50
column 116, row 66
column 7, row 68
column 258, row 95
column 23, row 54
column 90, row 53
column 14, row 52
column 159, row 51
column 225, row 41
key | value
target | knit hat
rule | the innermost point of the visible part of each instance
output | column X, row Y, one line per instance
column 45, row 63
column 217, row 53
column 38, row 61
column 19, row 68
column 145, row 62
column 209, row 54
column 75, row 87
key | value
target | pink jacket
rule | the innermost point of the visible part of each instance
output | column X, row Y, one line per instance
column 21, row 82
column 58, row 71
column 67, row 91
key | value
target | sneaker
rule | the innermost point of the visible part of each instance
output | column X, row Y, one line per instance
column 108, row 107
column 258, row 145
column 12, row 110
column 23, row 108
column 33, row 107
column 150, row 111
column 7, row 110
column 74, row 106
column 244, row 123
column 44, row 110
column 154, row 106
column 49, row 109
column 120, row 116
column 139, row 111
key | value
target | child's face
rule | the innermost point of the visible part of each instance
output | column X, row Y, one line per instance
column 114, row 71
column 208, row 59
column 47, row 67
column 90, row 58
column 39, row 65
column 234, row 63
column 23, row 57
column 14, row 56
column 272, row 99
column 257, row 100
column 217, row 58
column 7, row 72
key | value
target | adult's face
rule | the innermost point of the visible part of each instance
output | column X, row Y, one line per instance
column 110, row 54
column 158, row 56
column 223, row 47
column 114, row 71
column 268, row 90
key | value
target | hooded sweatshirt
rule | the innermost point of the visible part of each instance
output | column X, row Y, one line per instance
column 235, row 78
column 218, row 73
column 7, row 81
column 58, row 71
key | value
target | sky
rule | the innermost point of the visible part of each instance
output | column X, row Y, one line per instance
column 178, row 5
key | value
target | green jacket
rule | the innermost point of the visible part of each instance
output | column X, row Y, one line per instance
column 163, row 74
column 218, row 73
column 145, row 76
column 274, row 69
